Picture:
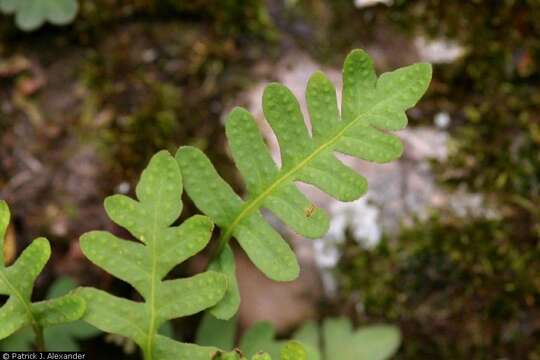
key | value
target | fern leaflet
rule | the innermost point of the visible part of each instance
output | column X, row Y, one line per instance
column 370, row 107
column 144, row 264
column 17, row 282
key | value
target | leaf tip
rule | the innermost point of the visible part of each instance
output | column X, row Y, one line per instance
column 357, row 56
column 186, row 152
column 356, row 53
column 43, row 245
column 425, row 72
column 5, row 215
column 84, row 242
column 273, row 90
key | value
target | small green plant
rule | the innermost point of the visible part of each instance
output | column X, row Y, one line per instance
column 62, row 337
column 31, row 14
column 145, row 263
column 292, row 350
column 371, row 106
column 375, row 342
column 259, row 337
column 17, row 282
column 334, row 340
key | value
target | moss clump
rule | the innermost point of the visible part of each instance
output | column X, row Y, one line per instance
column 458, row 289
column 150, row 88
column 492, row 90
column 244, row 19
column 465, row 288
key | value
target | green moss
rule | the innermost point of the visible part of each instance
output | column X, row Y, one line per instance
column 167, row 85
column 492, row 90
column 465, row 288
column 246, row 18
column 457, row 288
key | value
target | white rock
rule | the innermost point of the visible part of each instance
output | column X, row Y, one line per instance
column 123, row 187
column 367, row 3
column 442, row 120
column 439, row 51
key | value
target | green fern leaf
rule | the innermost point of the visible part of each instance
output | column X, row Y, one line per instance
column 17, row 281
column 168, row 349
column 144, row 264
column 375, row 342
column 293, row 350
column 261, row 356
column 308, row 336
column 8, row 6
column 31, row 14
column 334, row 340
column 371, row 106
column 216, row 332
column 61, row 337
column 226, row 265
column 257, row 339
column 261, row 337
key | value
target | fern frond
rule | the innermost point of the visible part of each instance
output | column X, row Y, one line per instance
column 168, row 349
column 371, row 106
column 17, row 282
column 334, row 339
column 63, row 337
column 374, row 342
column 31, row 14
column 292, row 350
column 260, row 337
column 145, row 263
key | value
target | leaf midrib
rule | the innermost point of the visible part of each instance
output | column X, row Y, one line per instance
column 152, row 323
column 255, row 203
column 19, row 296
column 129, row 321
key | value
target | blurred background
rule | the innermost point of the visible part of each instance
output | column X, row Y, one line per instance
column 446, row 243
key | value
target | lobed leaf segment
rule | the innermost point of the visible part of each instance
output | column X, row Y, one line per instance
column 31, row 14
column 292, row 350
column 334, row 339
column 144, row 264
column 17, row 282
column 342, row 342
column 63, row 337
column 370, row 108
